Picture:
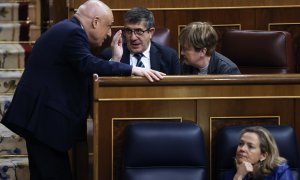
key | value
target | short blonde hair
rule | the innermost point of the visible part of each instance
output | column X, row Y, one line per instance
column 199, row 35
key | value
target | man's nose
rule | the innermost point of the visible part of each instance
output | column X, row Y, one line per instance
column 133, row 35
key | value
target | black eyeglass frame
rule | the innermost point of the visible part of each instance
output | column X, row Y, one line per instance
column 139, row 32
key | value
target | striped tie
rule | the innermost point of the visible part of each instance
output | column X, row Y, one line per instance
column 138, row 57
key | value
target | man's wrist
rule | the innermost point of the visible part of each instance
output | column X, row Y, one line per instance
column 113, row 59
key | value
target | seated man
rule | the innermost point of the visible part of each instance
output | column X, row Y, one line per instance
column 139, row 50
column 198, row 41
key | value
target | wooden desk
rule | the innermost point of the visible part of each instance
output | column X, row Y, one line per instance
column 211, row 101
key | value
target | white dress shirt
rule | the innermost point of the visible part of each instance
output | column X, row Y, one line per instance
column 145, row 59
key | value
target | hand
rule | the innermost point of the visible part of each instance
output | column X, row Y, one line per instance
column 116, row 46
column 150, row 74
column 242, row 170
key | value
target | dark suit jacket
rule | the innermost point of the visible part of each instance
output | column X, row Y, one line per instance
column 218, row 64
column 162, row 58
column 53, row 96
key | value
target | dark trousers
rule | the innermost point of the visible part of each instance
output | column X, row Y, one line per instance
column 46, row 163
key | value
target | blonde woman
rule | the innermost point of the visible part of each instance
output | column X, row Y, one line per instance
column 257, row 157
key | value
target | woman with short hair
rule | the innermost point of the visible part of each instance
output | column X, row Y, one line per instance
column 198, row 41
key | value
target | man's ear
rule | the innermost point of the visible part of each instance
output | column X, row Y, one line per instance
column 151, row 31
column 95, row 21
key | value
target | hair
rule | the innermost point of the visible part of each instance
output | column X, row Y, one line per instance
column 267, row 145
column 199, row 35
column 140, row 14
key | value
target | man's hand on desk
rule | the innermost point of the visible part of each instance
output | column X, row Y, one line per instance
column 150, row 74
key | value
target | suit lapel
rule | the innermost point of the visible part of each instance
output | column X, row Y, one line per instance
column 155, row 58
column 126, row 55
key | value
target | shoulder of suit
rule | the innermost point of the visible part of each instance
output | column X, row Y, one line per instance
column 162, row 47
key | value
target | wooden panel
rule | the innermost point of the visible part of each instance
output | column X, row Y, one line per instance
column 59, row 12
column 249, row 15
column 192, row 3
column 297, row 119
column 223, row 19
column 130, row 110
column 212, row 115
column 212, row 101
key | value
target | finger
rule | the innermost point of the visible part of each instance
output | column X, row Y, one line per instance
column 155, row 75
column 148, row 76
column 158, row 74
column 118, row 33
column 248, row 166
column 117, row 36
column 120, row 41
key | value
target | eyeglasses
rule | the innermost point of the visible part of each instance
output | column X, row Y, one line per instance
column 138, row 32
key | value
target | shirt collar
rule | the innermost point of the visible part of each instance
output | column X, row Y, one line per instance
column 146, row 53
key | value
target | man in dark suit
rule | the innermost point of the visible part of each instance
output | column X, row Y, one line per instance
column 53, row 98
column 138, row 32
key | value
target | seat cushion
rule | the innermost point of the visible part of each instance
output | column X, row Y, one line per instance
column 260, row 51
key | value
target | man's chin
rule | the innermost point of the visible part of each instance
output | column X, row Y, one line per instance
column 135, row 49
column 186, row 62
column 94, row 45
column 100, row 44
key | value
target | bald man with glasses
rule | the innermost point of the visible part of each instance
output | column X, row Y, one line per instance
column 138, row 49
